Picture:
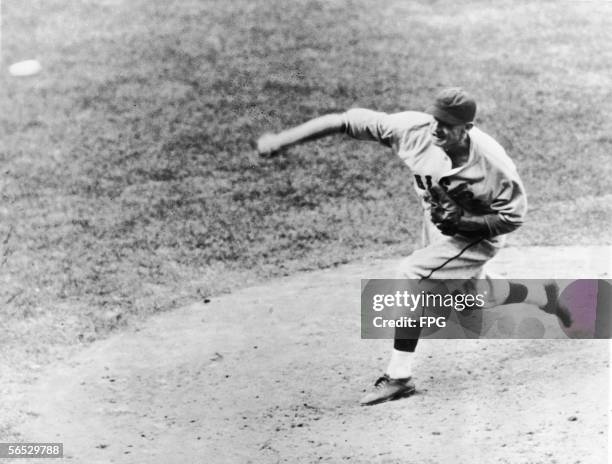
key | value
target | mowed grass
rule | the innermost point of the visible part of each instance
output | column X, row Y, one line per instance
column 128, row 181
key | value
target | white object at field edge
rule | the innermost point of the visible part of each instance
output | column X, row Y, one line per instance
column 25, row 68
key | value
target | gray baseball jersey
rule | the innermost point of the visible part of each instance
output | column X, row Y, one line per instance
column 487, row 184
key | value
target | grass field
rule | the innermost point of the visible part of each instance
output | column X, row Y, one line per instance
column 128, row 184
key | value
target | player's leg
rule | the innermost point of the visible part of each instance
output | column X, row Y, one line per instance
column 449, row 258
column 542, row 294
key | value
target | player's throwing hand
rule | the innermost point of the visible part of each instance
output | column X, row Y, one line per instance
column 268, row 145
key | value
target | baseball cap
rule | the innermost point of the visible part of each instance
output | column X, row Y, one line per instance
column 453, row 106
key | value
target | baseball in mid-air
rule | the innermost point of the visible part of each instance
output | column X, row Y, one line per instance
column 25, row 68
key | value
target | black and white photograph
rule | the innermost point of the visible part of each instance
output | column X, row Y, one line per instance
column 316, row 231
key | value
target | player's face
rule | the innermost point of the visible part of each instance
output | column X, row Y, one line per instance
column 446, row 135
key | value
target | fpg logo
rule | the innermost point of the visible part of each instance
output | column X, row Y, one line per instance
column 431, row 321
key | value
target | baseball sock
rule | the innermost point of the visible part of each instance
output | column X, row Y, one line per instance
column 400, row 365
column 405, row 344
column 517, row 293
column 529, row 292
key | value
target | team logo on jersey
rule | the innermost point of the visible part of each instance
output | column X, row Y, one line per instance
column 460, row 193
column 419, row 181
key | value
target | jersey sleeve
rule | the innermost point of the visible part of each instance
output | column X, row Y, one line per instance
column 364, row 124
column 506, row 213
column 510, row 206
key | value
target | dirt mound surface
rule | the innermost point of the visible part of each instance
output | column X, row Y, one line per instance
column 274, row 373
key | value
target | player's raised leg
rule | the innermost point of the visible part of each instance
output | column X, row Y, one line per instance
column 543, row 294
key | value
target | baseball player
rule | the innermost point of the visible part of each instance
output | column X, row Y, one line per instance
column 471, row 196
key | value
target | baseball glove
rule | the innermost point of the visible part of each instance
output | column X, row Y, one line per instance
column 445, row 212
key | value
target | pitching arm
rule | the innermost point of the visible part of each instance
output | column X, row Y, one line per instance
column 269, row 144
column 357, row 123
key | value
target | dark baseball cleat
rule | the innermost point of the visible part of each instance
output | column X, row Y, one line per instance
column 555, row 306
column 388, row 389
